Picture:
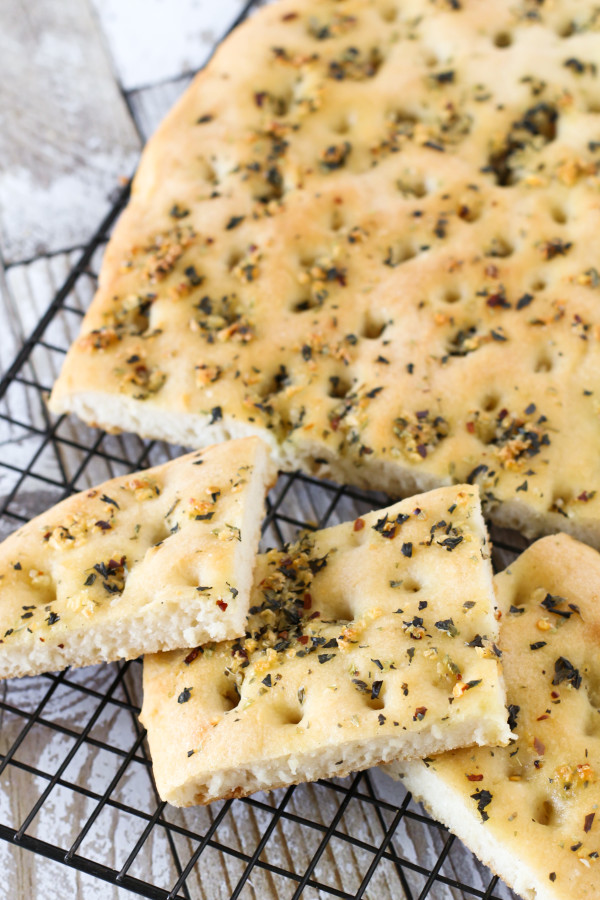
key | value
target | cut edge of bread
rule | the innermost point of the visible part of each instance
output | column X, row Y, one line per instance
column 115, row 414
column 159, row 626
column 167, row 622
column 325, row 762
column 119, row 413
column 448, row 806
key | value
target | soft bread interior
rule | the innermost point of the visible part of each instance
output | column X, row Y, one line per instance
column 151, row 561
column 366, row 641
column 528, row 810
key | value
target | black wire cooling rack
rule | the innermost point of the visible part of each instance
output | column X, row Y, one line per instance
column 74, row 753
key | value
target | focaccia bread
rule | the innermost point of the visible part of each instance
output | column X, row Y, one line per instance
column 353, row 237
column 531, row 811
column 367, row 641
column 150, row 561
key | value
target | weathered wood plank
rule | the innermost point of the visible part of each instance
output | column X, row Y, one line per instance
column 151, row 41
column 11, row 336
column 65, row 812
column 65, row 131
column 150, row 105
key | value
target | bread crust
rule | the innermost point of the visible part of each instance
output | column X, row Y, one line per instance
column 529, row 810
column 156, row 559
column 352, row 237
column 356, row 651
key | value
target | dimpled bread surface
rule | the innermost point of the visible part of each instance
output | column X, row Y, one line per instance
column 531, row 811
column 368, row 232
column 153, row 560
column 367, row 641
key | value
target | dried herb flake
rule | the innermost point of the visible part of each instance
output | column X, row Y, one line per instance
column 483, row 798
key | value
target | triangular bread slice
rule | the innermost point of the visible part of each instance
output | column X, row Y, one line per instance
column 353, row 238
column 154, row 560
column 531, row 811
column 367, row 641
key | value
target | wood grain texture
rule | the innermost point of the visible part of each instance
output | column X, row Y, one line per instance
column 65, row 811
column 26, row 292
column 152, row 40
column 150, row 105
column 65, row 132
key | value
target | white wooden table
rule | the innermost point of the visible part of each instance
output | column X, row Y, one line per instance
column 82, row 84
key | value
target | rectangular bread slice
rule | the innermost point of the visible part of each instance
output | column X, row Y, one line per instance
column 150, row 561
column 531, row 811
column 352, row 238
column 366, row 641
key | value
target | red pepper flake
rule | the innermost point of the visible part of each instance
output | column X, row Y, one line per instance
column 192, row 655
column 475, row 777
column 222, row 605
column 585, row 496
column 335, row 423
column 471, row 427
column 589, row 821
column 540, row 718
column 303, row 639
column 359, row 524
column 498, row 300
column 540, row 748
column 419, row 713
column 289, row 17
column 307, row 600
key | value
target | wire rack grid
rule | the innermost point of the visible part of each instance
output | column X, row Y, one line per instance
column 74, row 754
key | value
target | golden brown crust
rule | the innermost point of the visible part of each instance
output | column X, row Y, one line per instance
column 353, row 236
column 366, row 641
column 147, row 559
column 531, row 809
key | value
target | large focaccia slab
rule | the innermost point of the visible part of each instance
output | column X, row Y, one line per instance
column 367, row 641
column 530, row 811
column 154, row 560
column 368, row 232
